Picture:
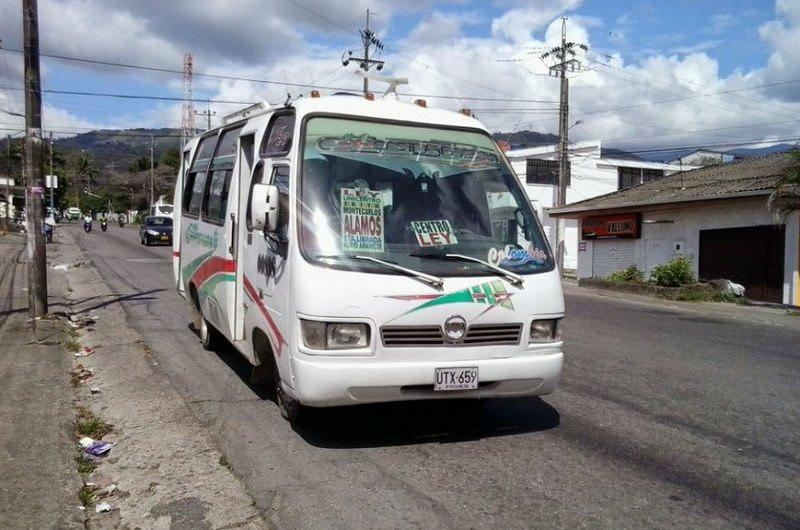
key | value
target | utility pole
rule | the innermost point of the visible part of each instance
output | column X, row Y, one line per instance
column 8, row 183
column 208, row 113
column 368, row 38
column 52, row 176
column 565, row 55
column 37, row 262
column 151, row 170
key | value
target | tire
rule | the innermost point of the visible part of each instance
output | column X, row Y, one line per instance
column 146, row 241
column 291, row 410
column 209, row 336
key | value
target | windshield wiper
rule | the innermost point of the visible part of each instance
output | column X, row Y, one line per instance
column 435, row 281
column 515, row 279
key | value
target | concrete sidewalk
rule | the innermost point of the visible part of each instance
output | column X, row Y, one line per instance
column 39, row 481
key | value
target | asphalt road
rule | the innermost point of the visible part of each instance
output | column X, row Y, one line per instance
column 666, row 418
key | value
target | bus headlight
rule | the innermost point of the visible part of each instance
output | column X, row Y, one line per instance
column 545, row 331
column 334, row 335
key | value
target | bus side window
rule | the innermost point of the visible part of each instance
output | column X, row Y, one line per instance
column 196, row 178
column 280, row 178
column 278, row 139
column 215, row 204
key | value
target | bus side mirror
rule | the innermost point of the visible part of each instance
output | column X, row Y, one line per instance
column 265, row 207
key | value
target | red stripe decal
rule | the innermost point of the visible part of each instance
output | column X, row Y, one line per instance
column 210, row 267
column 176, row 253
column 251, row 291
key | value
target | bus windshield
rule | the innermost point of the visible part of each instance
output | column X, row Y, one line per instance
column 411, row 195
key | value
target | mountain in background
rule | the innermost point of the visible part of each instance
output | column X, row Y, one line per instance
column 522, row 139
column 116, row 150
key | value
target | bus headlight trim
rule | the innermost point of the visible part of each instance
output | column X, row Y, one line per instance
column 334, row 335
column 547, row 330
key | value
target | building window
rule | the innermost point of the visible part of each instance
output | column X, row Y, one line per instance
column 543, row 172
column 633, row 176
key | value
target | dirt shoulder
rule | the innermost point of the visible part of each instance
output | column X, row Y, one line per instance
column 38, row 478
column 163, row 470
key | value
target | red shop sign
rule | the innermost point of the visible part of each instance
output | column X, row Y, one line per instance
column 611, row 226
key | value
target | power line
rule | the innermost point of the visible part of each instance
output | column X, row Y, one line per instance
column 265, row 81
column 132, row 96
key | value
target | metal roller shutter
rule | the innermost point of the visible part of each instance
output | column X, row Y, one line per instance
column 610, row 255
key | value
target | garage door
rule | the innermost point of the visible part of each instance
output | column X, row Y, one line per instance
column 611, row 255
column 751, row 256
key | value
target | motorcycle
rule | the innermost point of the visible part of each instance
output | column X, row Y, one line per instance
column 104, row 225
column 87, row 226
column 121, row 222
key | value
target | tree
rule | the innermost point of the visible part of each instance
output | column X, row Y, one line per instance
column 172, row 158
column 785, row 199
column 142, row 164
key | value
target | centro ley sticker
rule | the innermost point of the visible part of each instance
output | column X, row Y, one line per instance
column 434, row 233
column 362, row 220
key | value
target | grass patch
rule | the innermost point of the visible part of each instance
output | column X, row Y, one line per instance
column 71, row 345
column 86, row 497
column 689, row 293
column 84, row 465
column 87, row 424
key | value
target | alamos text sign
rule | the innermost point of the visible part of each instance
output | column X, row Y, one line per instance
column 626, row 225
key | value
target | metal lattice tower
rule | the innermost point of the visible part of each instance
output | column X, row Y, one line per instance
column 187, row 119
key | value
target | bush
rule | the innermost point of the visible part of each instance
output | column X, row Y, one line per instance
column 676, row 273
column 631, row 274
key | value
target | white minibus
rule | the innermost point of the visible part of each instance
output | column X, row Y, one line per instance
column 357, row 250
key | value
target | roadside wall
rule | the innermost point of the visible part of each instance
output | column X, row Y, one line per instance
column 678, row 231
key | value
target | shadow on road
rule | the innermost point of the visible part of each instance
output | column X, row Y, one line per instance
column 408, row 423
column 103, row 301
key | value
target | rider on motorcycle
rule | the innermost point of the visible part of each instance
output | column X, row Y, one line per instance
column 87, row 223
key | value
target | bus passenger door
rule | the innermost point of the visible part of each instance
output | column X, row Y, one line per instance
column 242, row 251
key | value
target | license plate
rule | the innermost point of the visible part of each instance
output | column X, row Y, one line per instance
column 164, row 237
column 455, row 379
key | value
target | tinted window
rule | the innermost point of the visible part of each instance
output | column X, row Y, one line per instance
column 196, row 178
column 216, row 198
column 280, row 178
column 159, row 221
column 278, row 140
column 193, row 193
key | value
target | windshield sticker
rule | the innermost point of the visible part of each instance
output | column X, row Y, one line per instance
column 434, row 233
column 362, row 220
column 492, row 294
column 516, row 257
column 453, row 154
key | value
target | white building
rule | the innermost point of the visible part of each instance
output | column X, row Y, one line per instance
column 703, row 157
column 718, row 216
column 592, row 174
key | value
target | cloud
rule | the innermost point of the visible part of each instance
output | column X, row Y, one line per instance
column 783, row 34
column 519, row 23
column 655, row 98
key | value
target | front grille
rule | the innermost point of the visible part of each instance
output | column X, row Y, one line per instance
column 477, row 335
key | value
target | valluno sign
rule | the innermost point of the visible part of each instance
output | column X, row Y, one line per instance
column 612, row 226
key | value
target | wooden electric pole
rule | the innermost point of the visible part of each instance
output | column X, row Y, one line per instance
column 151, row 171
column 8, row 184
column 368, row 39
column 564, row 54
column 37, row 262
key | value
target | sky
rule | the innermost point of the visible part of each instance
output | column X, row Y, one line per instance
column 656, row 73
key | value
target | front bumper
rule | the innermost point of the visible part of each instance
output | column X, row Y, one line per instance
column 334, row 382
